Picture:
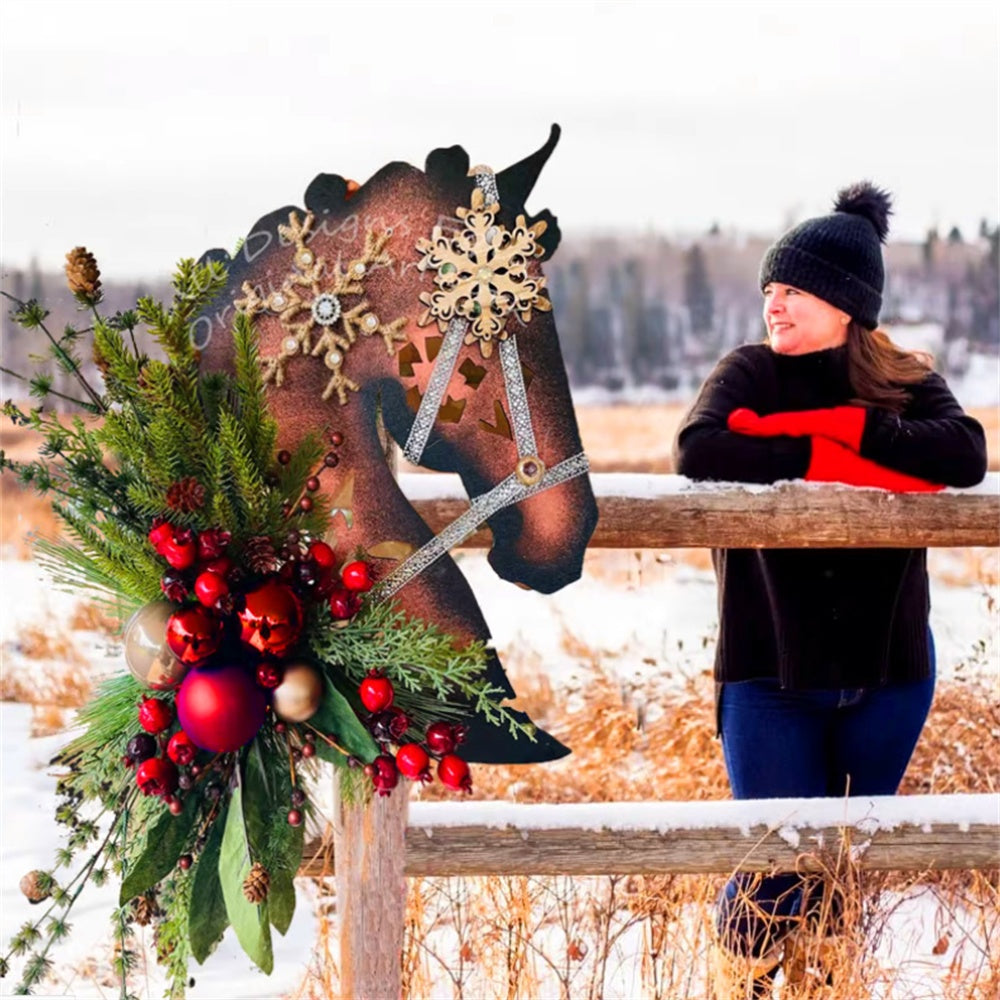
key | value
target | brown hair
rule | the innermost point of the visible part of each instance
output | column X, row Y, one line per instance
column 880, row 370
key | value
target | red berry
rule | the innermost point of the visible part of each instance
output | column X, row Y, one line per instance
column 306, row 505
column 155, row 715
column 212, row 542
column 181, row 750
column 312, row 484
column 156, row 776
column 308, row 750
column 174, row 586
column 160, row 533
column 376, row 692
column 269, row 675
column 294, row 817
column 356, row 577
column 220, row 565
column 384, row 775
column 181, row 551
column 336, row 439
column 209, row 587
column 322, row 555
column 344, row 604
column 412, row 760
column 389, row 725
column 185, row 861
column 284, row 457
column 440, row 737
column 175, row 806
column 454, row 773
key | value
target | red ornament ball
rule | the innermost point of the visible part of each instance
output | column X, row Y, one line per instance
column 156, row 776
column 181, row 750
column 294, row 817
column 412, row 761
column 221, row 708
column 271, row 619
column 454, row 773
column 194, row 634
column 376, row 692
column 356, row 576
column 155, row 715
column 209, row 587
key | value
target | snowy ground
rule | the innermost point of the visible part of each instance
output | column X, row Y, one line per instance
column 633, row 617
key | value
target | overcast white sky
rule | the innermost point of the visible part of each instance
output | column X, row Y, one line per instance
column 154, row 130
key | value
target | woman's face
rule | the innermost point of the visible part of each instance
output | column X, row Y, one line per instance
column 800, row 323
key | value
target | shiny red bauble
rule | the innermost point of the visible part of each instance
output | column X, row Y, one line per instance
column 454, row 773
column 376, row 692
column 209, row 587
column 356, row 576
column 194, row 634
column 155, row 715
column 220, row 708
column 271, row 618
column 156, row 776
column 412, row 761
column 181, row 750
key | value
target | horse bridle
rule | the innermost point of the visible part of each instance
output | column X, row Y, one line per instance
column 530, row 476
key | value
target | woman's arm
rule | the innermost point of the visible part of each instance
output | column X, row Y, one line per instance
column 705, row 447
column 933, row 438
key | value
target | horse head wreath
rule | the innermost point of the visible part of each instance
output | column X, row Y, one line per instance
column 418, row 298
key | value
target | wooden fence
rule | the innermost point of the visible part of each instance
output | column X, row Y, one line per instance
column 376, row 847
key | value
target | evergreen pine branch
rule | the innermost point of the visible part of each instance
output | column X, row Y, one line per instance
column 122, row 369
column 258, row 426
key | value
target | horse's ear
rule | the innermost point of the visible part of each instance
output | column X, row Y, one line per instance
column 448, row 168
column 514, row 183
column 326, row 191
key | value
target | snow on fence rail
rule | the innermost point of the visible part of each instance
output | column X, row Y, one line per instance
column 662, row 512
column 376, row 846
column 905, row 833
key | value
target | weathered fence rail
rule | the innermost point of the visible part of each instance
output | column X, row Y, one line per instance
column 379, row 845
column 664, row 512
column 906, row 833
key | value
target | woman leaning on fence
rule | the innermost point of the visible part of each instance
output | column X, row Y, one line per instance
column 825, row 661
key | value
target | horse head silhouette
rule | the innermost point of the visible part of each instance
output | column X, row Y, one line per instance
column 415, row 303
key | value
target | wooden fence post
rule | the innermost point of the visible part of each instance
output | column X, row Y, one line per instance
column 370, row 848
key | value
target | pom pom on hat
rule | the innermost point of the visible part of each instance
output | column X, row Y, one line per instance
column 868, row 201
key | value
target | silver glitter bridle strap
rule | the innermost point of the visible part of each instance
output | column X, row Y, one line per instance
column 529, row 477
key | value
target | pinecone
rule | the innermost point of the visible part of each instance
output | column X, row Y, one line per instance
column 83, row 275
column 260, row 555
column 186, row 495
column 36, row 886
column 145, row 909
column 256, row 884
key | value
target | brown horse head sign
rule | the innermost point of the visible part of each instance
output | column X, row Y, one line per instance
column 416, row 303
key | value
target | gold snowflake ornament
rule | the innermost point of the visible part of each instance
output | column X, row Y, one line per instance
column 482, row 274
column 311, row 302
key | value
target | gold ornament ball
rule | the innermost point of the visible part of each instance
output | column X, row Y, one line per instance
column 147, row 655
column 299, row 694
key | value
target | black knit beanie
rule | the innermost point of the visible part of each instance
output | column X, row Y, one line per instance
column 837, row 257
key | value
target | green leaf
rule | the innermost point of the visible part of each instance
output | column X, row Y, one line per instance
column 249, row 920
column 165, row 843
column 208, row 920
column 281, row 901
column 336, row 718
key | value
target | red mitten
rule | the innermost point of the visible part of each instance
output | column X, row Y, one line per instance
column 833, row 463
column 845, row 424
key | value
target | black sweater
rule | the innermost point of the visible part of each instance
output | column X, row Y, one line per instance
column 822, row 618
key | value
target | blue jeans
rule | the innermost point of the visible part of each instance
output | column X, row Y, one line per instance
column 806, row 744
